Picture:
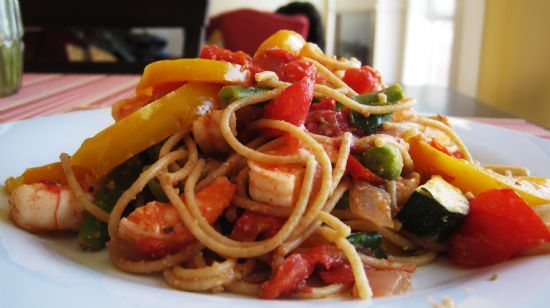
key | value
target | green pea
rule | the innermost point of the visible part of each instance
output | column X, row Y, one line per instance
column 386, row 161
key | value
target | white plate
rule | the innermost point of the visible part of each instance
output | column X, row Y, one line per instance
column 52, row 271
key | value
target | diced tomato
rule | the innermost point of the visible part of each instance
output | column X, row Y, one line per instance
column 214, row 52
column 326, row 104
column 293, row 104
column 341, row 273
column 498, row 226
column 329, row 123
column 296, row 70
column 293, row 272
column 325, row 255
column 271, row 59
column 324, row 119
column 363, row 80
column 296, row 268
column 361, row 173
column 251, row 226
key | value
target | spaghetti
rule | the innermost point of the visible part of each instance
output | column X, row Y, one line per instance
column 293, row 202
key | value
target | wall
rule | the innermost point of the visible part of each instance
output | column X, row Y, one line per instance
column 515, row 61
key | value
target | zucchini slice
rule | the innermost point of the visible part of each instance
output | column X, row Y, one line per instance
column 435, row 210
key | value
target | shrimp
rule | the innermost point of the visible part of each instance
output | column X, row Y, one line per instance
column 45, row 207
column 274, row 185
column 156, row 228
column 208, row 135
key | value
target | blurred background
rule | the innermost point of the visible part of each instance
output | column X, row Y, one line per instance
column 496, row 51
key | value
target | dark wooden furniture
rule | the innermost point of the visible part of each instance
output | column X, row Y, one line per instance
column 187, row 14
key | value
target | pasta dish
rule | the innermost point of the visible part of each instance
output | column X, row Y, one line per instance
column 287, row 173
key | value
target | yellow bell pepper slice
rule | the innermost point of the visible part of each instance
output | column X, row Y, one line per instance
column 474, row 178
column 203, row 70
column 145, row 127
column 284, row 39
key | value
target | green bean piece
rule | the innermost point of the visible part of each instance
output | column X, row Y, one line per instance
column 229, row 94
column 369, row 241
column 394, row 93
column 371, row 124
column 386, row 161
column 93, row 234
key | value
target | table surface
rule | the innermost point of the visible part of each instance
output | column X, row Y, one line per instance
column 46, row 94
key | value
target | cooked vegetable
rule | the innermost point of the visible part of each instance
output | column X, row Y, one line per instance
column 199, row 70
column 363, row 80
column 435, row 210
column 99, row 154
column 371, row 124
column 283, row 39
column 293, row 104
column 296, row 70
column 93, row 233
column 369, row 241
column 394, row 93
column 361, row 173
column 371, row 203
column 229, row 94
column 386, row 161
column 474, row 178
column 499, row 225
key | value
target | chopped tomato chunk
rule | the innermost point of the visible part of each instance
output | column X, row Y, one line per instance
column 293, row 272
column 295, row 70
column 498, row 226
column 363, row 80
column 297, row 267
column 271, row 59
column 326, row 104
column 341, row 273
column 293, row 104
column 251, row 226
column 214, row 52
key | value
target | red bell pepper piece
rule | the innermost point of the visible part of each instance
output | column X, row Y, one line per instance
column 361, row 173
column 499, row 225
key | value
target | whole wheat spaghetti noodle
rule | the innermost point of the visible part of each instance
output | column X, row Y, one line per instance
column 272, row 176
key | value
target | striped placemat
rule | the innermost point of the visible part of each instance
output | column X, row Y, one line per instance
column 45, row 94
column 517, row 125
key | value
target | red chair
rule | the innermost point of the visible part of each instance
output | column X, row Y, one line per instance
column 246, row 29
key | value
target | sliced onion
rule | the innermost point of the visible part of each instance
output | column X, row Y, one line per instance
column 371, row 203
column 384, row 283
